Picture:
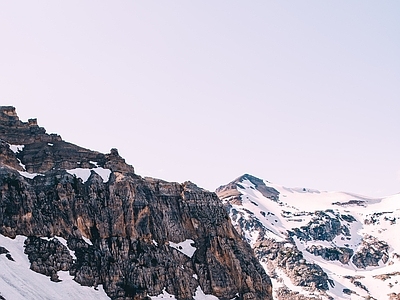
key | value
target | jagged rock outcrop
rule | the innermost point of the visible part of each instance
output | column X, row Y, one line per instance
column 286, row 256
column 122, row 230
column 324, row 226
column 341, row 254
column 370, row 253
column 47, row 257
column 285, row 293
column 40, row 152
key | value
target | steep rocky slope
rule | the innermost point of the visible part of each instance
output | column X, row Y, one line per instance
column 319, row 245
column 85, row 215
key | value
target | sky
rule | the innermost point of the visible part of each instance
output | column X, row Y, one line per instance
column 300, row 93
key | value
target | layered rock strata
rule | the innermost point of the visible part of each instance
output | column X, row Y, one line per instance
column 135, row 236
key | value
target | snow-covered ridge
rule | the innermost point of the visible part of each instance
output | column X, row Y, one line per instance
column 350, row 238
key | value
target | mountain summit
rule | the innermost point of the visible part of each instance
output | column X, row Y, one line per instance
column 79, row 224
column 318, row 245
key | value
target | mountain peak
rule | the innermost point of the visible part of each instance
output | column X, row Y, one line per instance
column 232, row 192
column 332, row 245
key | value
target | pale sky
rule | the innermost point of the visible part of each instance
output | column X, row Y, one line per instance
column 301, row 93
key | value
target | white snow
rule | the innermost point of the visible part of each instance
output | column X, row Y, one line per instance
column 16, row 148
column 84, row 174
column 64, row 242
column 87, row 240
column 185, row 247
column 94, row 163
column 18, row 282
column 29, row 175
column 199, row 295
column 164, row 295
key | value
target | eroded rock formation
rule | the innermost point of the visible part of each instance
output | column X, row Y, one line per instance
column 119, row 230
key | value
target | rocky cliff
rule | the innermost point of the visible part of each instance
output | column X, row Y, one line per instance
column 88, row 214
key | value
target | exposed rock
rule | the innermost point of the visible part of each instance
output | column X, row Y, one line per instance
column 323, row 227
column 351, row 203
column 354, row 280
column 129, row 220
column 394, row 296
column 6, row 252
column 47, row 257
column 376, row 218
column 370, row 253
column 43, row 152
column 286, row 256
column 348, row 291
column 21, row 133
column 284, row 293
column 7, row 156
column 341, row 254
column 386, row 276
column 3, row 250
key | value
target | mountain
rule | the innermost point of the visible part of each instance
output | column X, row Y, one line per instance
column 319, row 245
column 79, row 224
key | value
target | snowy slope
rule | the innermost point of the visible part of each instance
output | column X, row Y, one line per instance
column 18, row 282
column 361, row 231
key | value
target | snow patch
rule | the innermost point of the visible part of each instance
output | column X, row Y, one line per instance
column 18, row 282
column 94, row 163
column 185, row 247
column 64, row 242
column 164, row 295
column 29, row 175
column 17, row 148
column 199, row 295
column 87, row 240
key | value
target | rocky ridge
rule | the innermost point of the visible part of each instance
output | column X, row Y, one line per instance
column 89, row 215
column 318, row 245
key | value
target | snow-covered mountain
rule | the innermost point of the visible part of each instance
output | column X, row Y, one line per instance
column 319, row 245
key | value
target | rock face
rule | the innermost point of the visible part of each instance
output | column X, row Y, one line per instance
column 341, row 254
column 135, row 236
column 371, row 252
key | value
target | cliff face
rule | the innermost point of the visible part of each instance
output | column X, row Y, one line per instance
column 135, row 236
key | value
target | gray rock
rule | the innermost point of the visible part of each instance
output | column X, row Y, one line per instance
column 322, row 227
column 370, row 253
column 341, row 254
